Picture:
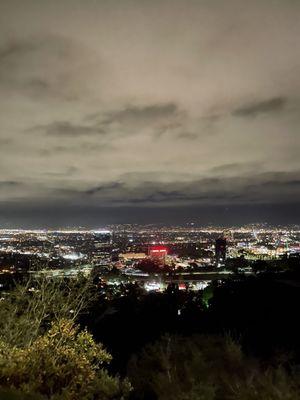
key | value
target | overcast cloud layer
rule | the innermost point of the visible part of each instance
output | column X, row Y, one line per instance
column 145, row 104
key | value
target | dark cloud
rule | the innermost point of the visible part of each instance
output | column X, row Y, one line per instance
column 65, row 128
column 9, row 184
column 142, row 114
column 155, row 118
column 187, row 136
column 104, row 188
column 295, row 183
column 16, row 49
column 264, row 187
column 261, row 107
column 161, row 197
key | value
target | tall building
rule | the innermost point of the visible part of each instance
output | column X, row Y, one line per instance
column 220, row 251
column 102, row 246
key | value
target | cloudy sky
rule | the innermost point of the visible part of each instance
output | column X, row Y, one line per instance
column 140, row 111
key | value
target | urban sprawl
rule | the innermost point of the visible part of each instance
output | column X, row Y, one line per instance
column 151, row 257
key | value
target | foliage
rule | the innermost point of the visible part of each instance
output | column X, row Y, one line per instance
column 29, row 309
column 62, row 364
column 14, row 394
column 206, row 368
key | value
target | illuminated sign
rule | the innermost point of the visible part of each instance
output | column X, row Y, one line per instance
column 157, row 251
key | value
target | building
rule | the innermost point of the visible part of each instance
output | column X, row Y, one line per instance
column 220, row 251
column 132, row 256
column 158, row 253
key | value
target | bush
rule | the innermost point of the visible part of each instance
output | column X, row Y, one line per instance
column 62, row 364
column 206, row 368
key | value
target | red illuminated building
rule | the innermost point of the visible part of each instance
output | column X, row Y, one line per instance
column 158, row 253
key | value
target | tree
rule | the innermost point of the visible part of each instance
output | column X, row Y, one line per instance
column 29, row 308
column 62, row 364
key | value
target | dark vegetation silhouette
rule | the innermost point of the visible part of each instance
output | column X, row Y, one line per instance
column 237, row 339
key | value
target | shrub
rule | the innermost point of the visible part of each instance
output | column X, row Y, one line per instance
column 62, row 364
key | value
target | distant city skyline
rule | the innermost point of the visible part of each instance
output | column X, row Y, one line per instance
column 140, row 111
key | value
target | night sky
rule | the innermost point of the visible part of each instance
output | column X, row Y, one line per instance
column 149, row 111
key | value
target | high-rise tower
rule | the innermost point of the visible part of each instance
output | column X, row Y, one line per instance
column 220, row 251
